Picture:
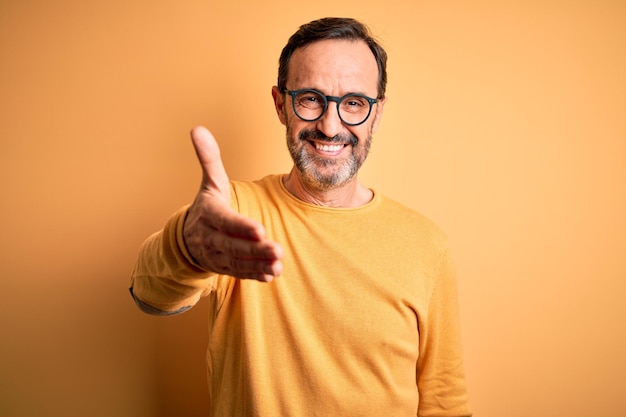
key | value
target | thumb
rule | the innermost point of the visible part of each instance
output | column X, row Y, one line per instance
column 214, row 175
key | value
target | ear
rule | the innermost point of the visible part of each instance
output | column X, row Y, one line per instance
column 378, row 113
column 279, row 104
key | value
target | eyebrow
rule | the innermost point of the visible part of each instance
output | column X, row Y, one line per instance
column 343, row 95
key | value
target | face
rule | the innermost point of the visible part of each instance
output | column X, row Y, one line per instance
column 327, row 153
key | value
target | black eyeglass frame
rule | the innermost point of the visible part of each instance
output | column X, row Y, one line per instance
column 338, row 100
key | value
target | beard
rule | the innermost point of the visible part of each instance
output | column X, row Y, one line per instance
column 322, row 173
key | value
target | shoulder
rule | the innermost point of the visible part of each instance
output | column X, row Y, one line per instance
column 249, row 195
column 265, row 184
column 407, row 234
column 409, row 219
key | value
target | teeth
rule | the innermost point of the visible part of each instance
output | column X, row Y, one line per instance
column 328, row 148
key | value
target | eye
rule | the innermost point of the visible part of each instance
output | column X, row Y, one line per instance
column 354, row 104
column 309, row 99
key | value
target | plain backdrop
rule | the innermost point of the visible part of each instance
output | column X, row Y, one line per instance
column 505, row 124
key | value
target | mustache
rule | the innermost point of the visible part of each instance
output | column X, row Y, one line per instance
column 317, row 135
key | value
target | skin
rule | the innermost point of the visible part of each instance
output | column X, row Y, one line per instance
column 223, row 241
column 334, row 67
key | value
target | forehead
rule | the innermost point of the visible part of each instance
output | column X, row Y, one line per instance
column 334, row 67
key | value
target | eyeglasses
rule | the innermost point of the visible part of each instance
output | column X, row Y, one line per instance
column 310, row 105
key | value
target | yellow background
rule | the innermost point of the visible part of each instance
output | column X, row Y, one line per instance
column 506, row 124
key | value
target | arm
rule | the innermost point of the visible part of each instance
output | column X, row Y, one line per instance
column 440, row 374
column 165, row 279
column 175, row 265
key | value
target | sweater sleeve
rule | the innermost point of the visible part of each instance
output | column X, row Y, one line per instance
column 440, row 373
column 165, row 279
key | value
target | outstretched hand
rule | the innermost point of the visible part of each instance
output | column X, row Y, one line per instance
column 218, row 238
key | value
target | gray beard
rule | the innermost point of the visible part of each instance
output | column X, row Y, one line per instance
column 342, row 171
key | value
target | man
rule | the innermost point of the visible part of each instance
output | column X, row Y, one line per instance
column 325, row 298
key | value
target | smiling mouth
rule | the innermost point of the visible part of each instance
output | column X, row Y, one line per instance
column 328, row 146
column 325, row 147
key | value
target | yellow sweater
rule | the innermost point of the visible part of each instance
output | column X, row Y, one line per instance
column 363, row 321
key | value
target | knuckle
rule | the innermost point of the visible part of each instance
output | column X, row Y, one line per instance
column 234, row 264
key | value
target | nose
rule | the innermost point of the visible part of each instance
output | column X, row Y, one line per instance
column 330, row 124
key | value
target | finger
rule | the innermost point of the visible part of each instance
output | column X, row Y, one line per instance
column 260, row 270
column 261, row 277
column 263, row 250
column 229, row 224
column 208, row 152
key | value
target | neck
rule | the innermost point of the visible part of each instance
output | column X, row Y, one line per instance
column 348, row 195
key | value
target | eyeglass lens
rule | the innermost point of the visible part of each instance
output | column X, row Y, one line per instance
column 310, row 105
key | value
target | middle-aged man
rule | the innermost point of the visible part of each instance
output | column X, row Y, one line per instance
column 325, row 297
